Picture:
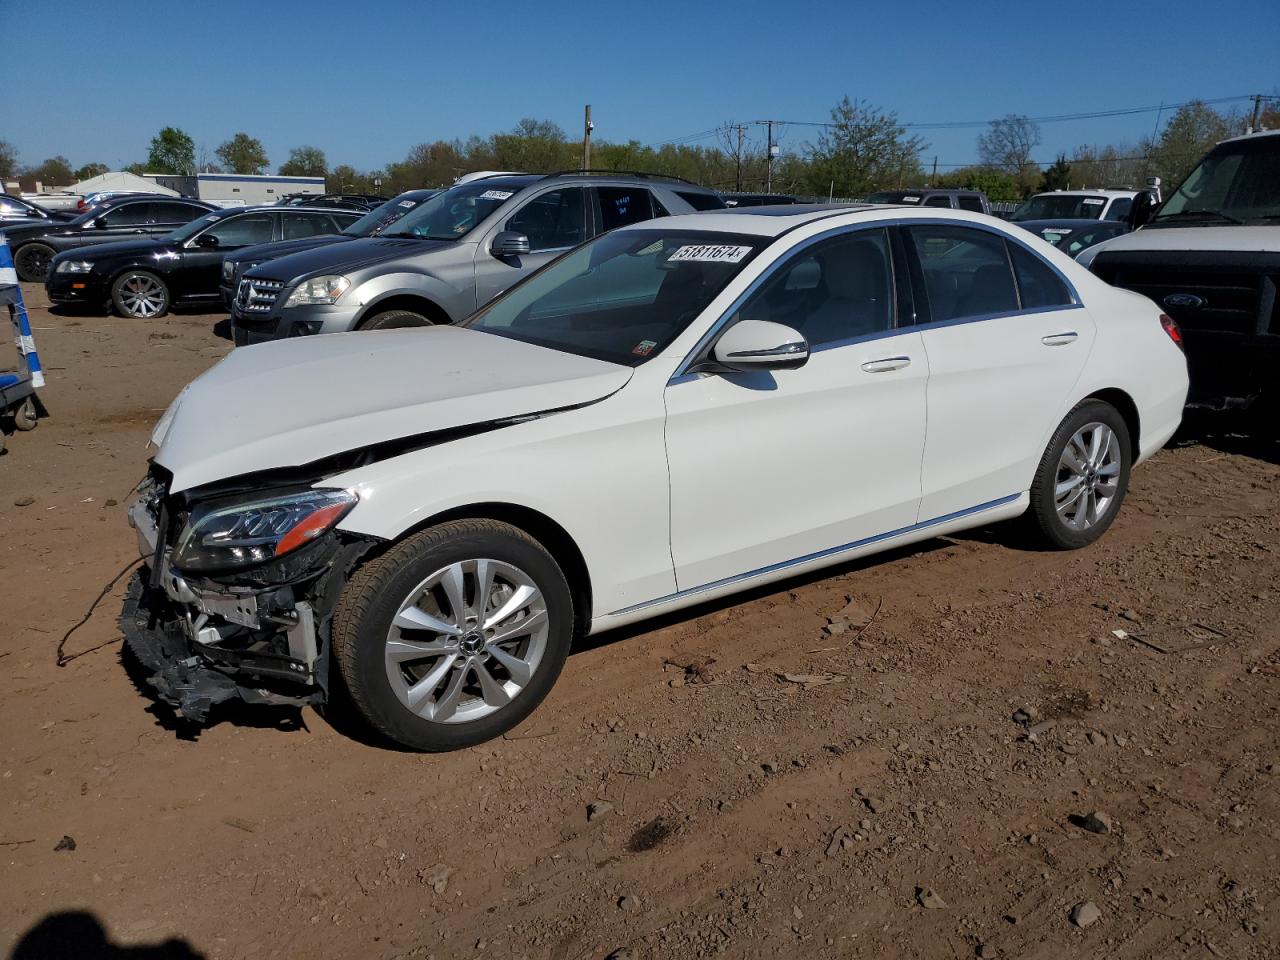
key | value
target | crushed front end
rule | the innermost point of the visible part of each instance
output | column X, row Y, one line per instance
column 236, row 594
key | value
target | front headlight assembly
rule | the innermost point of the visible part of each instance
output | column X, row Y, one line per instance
column 73, row 266
column 318, row 290
column 228, row 269
column 256, row 529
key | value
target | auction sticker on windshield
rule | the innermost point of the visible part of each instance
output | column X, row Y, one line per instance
column 496, row 195
column 709, row 253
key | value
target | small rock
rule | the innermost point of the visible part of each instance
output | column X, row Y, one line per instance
column 622, row 954
column 1097, row 821
column 676, row 682
column 1131, row 616
column 836, row 627
column 929, row 899
column 109, row 502
column 769, row 767
column 66, row 843
column 797, row 912
column 1025, row 716
column 837, row 841
column 1086, row 913
column 380, row 843
column 874, row 804
column 24, row 501
column 628, row 902
column 597, row 810
column 436, row 877
column 1097, row 739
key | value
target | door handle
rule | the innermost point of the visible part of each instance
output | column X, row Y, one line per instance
column 886, row 365
column 1059, row 339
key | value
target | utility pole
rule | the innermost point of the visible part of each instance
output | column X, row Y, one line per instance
column 587, row 127
column 1257, row 111
column 934, row 181
column 771, row 151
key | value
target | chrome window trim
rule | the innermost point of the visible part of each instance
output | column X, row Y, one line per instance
column 682, row 374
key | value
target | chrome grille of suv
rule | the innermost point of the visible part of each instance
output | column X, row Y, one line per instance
column 255, row 295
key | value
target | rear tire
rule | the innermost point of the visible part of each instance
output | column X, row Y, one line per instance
column 1082, row 477
column 454, row 635
column 395, row 320
column 32, row 262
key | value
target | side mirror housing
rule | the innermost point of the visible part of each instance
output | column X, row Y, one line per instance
column 100, row 223
column 761, row 345
column 1143, row 209
column 508, row 243
column 207, row 240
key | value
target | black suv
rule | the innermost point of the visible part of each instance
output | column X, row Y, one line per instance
column 131, row 217
column 145, row 277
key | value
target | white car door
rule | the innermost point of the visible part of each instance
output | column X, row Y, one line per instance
column 1006, row 340
column 773, row 467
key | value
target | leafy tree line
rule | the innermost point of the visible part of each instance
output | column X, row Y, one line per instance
column 863, row 148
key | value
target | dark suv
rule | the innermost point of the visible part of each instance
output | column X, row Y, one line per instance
column 451, row 255
column 125, row 218
column 972, row 200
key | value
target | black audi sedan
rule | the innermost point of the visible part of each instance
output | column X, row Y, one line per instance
column 34, row 245
column 369, row 225
column 145, row 277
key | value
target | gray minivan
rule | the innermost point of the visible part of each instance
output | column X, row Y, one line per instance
column 451, row 255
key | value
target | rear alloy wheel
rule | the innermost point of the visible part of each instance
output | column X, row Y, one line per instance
column 455, row 635
column 1083, row 476
column 32, row 262
column 140, row 294
column 395, row 320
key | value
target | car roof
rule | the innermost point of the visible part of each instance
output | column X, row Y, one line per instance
column 1100, row 192
column 1251, row 136
column 1068, row 223
column 521, row 180
column 775, row 221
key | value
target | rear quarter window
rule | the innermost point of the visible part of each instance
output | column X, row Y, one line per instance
column 701, row 201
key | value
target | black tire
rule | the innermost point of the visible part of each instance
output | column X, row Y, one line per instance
column 32, row 261
column 395, row 320
column 374, row 595
column 1043, row 517
column 140, row 294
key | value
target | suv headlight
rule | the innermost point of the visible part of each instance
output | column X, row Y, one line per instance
column 228, row 269
column 256, row 529
column 73, row 266
column 318, row 290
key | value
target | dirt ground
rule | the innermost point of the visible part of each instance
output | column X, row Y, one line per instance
column 888, row 800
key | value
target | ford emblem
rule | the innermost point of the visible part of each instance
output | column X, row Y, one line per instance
column 1187, row 301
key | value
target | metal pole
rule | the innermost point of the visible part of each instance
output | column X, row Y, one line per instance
column 587, row 127
column 768, row 178
column 738, row 157
column 1257, row 110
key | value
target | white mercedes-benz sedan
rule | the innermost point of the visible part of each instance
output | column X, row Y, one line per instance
column 672, row 412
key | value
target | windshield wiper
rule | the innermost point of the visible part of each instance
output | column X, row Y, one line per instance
column 1201, row 214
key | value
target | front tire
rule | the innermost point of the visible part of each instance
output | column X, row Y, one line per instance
column 1082, row 478
column 395, row 320
column 454, row 635
column 140, row 294
column 32, row 262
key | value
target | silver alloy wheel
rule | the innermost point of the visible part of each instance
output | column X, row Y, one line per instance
column 142, row 296
column 466, row 641
column 1088, row 476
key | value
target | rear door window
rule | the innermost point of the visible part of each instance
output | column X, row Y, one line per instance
column 973, row 204
column 938, row 202
column 130, row 215
column 1039, row 285
column 620, row 206
column 175, row 213
column 242, row 231
column 298, row 226
column 966, row 271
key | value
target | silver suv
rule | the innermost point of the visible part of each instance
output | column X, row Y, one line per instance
column 451, row 255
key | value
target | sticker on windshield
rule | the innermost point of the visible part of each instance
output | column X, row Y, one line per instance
column 408, row 203
column 643, row 348
column 709, row 253
column 497, row 195
column 1093, row 201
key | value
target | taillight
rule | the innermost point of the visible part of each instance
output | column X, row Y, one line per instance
column 1171, row 328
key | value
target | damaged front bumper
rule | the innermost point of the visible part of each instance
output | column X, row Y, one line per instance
column 260, row 637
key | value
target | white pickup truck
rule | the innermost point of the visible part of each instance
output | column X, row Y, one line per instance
column 1210, row 257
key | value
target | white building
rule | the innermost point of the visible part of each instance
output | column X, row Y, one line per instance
column 120, row 180
column 238, row 190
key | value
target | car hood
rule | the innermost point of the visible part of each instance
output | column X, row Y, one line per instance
column 283, row 248
column 1254, row 239
column 345, row 257
column 290, row 402
column 36, row 228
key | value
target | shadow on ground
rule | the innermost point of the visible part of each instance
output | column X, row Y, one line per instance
column 77, row 935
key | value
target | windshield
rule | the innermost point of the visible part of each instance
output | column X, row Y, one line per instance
column 189, row 230
column 1060, row 206
column 622, row 297
column 456, row 212
column 378, row 216
column 1237, row 181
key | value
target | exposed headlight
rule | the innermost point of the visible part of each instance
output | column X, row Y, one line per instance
column 256, row 529
column 318, row 290
column 228, row 269
column 73, row 266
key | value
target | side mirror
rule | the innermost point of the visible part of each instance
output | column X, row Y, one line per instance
column 508, row 243
column 207, row 240
column 1143, row 209
column 100, row 223
column 761, row 345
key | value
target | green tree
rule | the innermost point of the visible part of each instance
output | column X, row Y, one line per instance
column 536, row 146
column 347, row 179
column 861, row 150
column 304, row 161
column 90, row 170
column 8, row 159
column 172, row 151
column 998, row 185
column 56, row 171
column 1058, row 175
column 243, row 154
column 1190, row 132
column 435, row 164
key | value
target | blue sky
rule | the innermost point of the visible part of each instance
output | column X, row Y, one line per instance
column 366, row 80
